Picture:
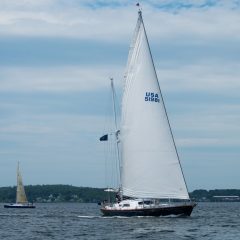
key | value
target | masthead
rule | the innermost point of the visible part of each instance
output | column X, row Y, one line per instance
column 139, row 8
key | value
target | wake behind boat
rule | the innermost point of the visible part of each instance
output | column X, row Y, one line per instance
column 21, row 198
column 151, row 178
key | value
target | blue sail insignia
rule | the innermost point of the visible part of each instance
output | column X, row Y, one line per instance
column 152, row 97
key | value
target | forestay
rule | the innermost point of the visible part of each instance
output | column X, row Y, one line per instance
column 150, row 164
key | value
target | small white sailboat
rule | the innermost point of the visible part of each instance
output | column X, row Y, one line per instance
column 21, row 198
column 151, row 178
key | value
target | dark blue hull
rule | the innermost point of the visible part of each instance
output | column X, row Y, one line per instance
column 184, row 210
column 18, row 206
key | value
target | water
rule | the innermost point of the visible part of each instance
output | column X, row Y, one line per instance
column 213, row 221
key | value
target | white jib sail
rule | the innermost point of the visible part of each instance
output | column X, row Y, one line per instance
column 150, row 165
column 21, row 196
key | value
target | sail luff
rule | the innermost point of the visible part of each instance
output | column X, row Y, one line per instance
column 140, row 16
column 21, row 195
column 131, row 55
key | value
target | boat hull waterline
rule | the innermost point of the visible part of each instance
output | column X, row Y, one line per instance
column 184, row 210
column 18, row 206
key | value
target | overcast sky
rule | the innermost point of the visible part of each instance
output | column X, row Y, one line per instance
column 56, row 57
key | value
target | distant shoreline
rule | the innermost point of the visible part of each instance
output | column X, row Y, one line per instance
column 68, row 193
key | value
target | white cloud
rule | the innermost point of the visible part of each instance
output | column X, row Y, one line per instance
column 58, row 139
column 195, row 26
column 211, row 77
column 208, row 125
column 74, row 78
column 24, row 129
column 208, row 142
column 66, row 22
column 51, row 18
column 58, row 123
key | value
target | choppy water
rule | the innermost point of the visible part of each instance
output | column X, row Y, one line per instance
column 84, row 221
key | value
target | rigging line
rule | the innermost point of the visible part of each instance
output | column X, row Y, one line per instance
column 106, row 146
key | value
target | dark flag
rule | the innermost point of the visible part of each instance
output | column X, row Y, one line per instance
column 104, row 138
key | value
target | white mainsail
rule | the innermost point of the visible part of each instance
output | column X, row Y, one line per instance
column 150, row 163
column 21, row 195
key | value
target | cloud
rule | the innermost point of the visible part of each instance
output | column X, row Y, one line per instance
column 208, row 78
column 62, row 21
column 74, row 78
column 57, row 56
column 213, row 78
column 114, row 22
column 56, row 124
column 208, row 142
column 66, row 143
column 24, row 129
column 192, row 49
column 206, row 126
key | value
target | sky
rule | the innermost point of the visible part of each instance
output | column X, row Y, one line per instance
column 56, row 58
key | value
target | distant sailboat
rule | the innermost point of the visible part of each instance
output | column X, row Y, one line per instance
column 151, row 177
column 21, row 198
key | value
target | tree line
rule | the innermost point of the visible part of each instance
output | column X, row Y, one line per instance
column 55, row 193
column 68, row 193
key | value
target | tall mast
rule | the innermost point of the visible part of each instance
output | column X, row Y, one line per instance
column 116, row 132
column 114, row 103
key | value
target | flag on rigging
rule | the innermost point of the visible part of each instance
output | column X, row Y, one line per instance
column 104, row 138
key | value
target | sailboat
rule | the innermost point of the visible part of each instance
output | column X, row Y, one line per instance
column 21, row 198
column 151, row 177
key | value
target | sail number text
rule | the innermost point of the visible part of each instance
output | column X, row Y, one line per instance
column 152, row 97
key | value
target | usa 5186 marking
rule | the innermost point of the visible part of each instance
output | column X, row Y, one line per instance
column 152, row 97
